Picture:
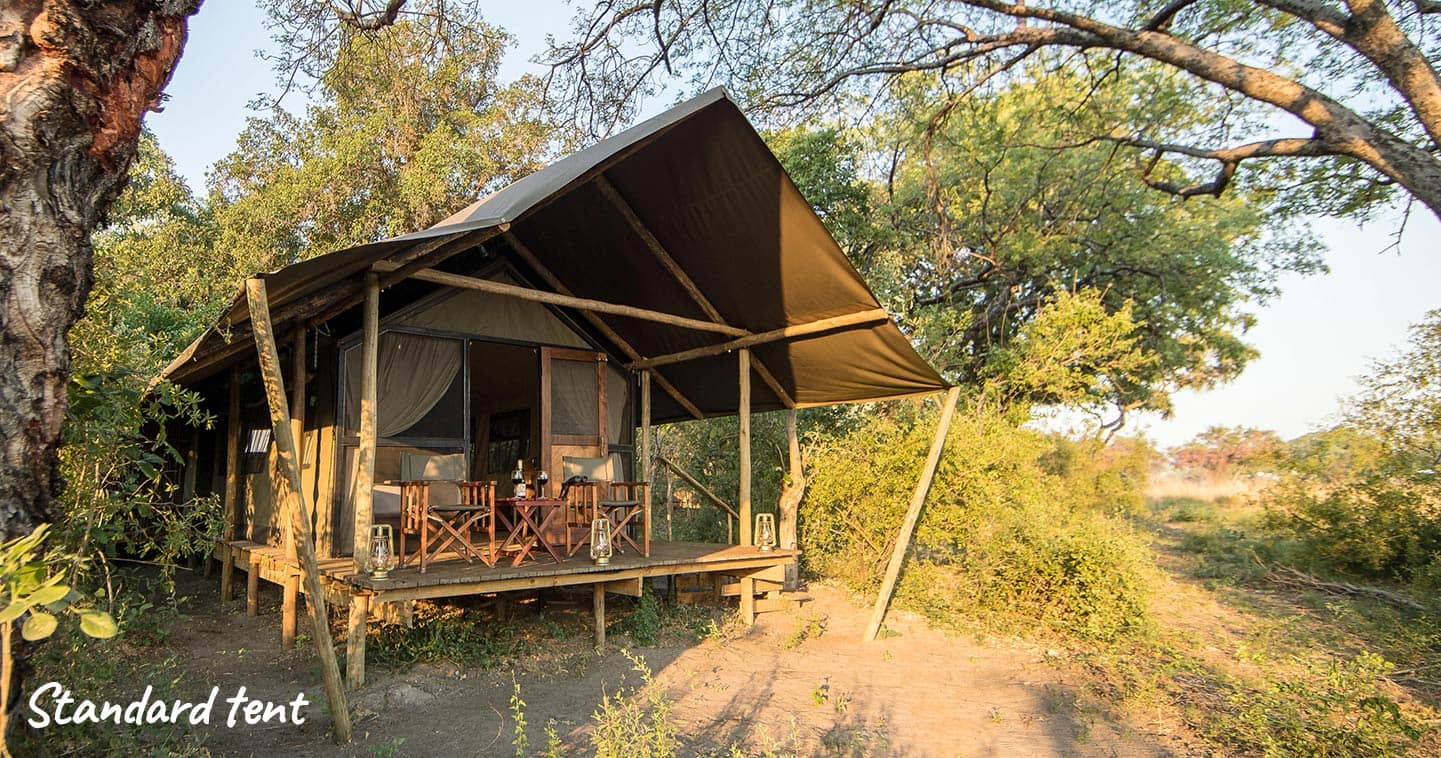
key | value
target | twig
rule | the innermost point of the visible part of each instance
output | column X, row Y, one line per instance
column 1290, row 576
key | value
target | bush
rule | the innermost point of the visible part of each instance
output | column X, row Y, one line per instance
column 1018, row 524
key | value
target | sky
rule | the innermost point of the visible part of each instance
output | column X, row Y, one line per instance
column 1315, row 338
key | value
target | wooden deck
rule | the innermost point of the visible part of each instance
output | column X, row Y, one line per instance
column 449, row 576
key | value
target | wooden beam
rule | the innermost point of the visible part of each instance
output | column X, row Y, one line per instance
column 566, row 301
column 252, row 587
column 775, row 335
column 668, row 262
column 913, row 514
column 290, row 600
column 794, row 490
column 527, row 255
column 269, row 358
column 417, row 260
column 701, row 488
column 232, row 482
column 365, row 458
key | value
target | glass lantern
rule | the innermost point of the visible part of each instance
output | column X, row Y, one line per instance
column 600, row 548
column 766, row 532
column 383, row 559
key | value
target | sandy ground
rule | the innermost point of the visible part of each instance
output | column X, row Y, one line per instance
column 800, row 681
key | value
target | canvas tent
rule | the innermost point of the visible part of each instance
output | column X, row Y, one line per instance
column 666, row 252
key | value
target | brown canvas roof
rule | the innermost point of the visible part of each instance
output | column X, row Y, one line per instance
column 700, row 181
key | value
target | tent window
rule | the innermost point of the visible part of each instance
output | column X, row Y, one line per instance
column 575, row 398
column 420, row 387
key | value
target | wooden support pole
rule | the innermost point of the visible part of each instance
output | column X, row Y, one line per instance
column 913, row 515
column 744, row 406
column 365, row 458
column 232, row 482
column 597, row 601
column 528, row 255
column 290, row 599
column 872, row 316
column 355, row 641
column 748, row 600
column 252, row 587
column 791, row 495
column 646, row 474
column 297, row 420
column 566, row 301
column 289, row 459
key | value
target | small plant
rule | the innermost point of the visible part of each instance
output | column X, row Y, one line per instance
column 388, row 749
column 553, row 746
column 811, row 626
column 517, row 714
column 32, row 589
column 638, row 724
column 821, row 694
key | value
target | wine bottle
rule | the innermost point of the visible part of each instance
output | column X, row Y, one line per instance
column 518, row 479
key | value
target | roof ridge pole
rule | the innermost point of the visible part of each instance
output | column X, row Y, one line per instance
column 913, row 515
column 269, row 358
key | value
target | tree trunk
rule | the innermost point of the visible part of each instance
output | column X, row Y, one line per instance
column 76, row 79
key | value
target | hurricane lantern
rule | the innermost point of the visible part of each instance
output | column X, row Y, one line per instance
column 383, row 559
column 766, row 531
column 600, row 548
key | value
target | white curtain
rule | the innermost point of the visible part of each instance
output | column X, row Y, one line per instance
column 414, row 374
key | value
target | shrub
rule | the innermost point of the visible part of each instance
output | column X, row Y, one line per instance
column 1017, row 525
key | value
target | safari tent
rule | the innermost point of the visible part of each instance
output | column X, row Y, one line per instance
column 670, row 272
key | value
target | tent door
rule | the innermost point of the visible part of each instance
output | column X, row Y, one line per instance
column 573, row 407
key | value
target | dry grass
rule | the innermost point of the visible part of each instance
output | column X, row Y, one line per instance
column 1175, row 485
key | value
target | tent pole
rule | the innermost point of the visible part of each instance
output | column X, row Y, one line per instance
column 646, row 474
column 747, row 588
column 365, row 463
column 791, row 495
column 232, row 484
column 913, row 515
column 269, row 358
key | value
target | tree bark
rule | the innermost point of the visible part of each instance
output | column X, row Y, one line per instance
column 76, row 79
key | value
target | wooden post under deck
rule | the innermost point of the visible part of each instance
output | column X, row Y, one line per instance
column 597, row 598
column 791, row 495
column 252, row 587
column 747, row 588
column 365, row 465
column 913, row 515
column 289, row 463
column 232, row 483
column 355, row 641
column 289, row 601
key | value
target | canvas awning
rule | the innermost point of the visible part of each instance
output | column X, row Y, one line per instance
column 688, row 213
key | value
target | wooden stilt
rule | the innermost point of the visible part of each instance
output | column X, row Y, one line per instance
column 748, row 600
column 232, row 481
column 365, row 465
column 597, row 597
column 744, row 406
column 355, row 641
column 289, row 463
column 252, row 588
column 289, row 599
column 913, row 515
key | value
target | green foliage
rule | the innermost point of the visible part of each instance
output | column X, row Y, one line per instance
column 644, row 623
column 1365, row 498
column 517, row 715
column 466, row 637
column 636, row 724
column 33, row 588
column 1006, row 534
column 402, row 133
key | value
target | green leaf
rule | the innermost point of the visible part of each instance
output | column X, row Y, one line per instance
column 48, row 595
column 39, row 626
column 12, row 611
column 98, row 624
